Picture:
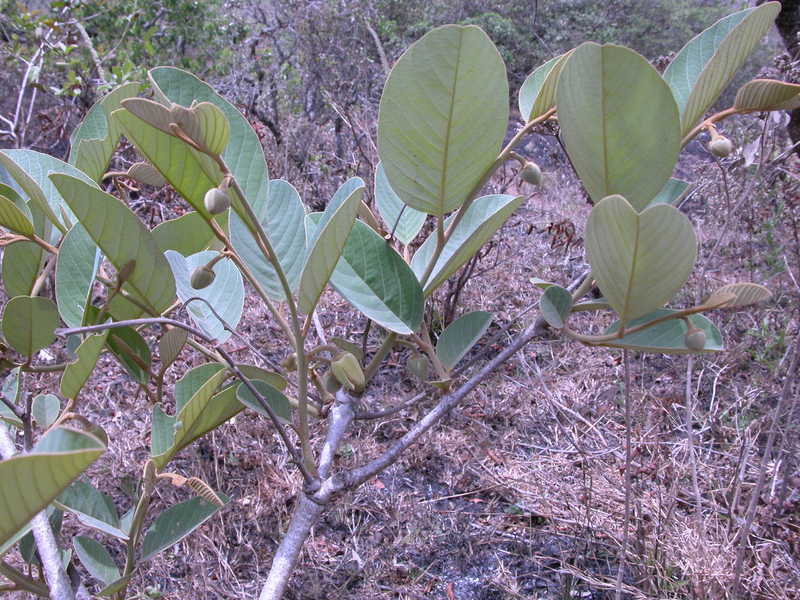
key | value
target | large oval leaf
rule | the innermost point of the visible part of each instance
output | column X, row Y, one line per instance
column 225, row 294
column 767, row 94
column 377, row 281
column 619, row 122
column 30, row 482
column 704, row 67
column 399, row 218
column 443, row 116
column 96, row 559
column 639, row 260
column 460, row 336
column 93, row 142
column 538, row 92
column 327, row 243
column 284, row 224
column 76, row 267
column 480, row 222
column 122, row 237
column 21, row 262
column 93, row 508
column 31, row 170
column 666, row 337
column 29, row 323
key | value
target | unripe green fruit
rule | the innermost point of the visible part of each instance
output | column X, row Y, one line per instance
column 720, row 147
column 695, row 339
column 202, row 277
column 346, row 368
column 531, row 173
column 216, row 201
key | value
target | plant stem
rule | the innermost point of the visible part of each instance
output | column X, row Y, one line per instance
column 377, row 358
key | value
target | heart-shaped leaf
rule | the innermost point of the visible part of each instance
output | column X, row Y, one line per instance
column 704, row 67
column 767, row 94
column 460, row 336
column 45, row 409
column 443, row 116
column 639, row 260
column 666, row 337
column 328, row 240
column 619, row 122
column 29, row 323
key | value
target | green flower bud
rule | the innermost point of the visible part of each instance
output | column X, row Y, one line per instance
column 531, row 173
column 720, row 147
column 216, row 201
column 202, row 277
column 695, row 339
column 346, row 368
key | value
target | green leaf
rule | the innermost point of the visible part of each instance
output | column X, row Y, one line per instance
column 170, row 346
column 9, row 391
column 618, row 121
column 443, row 116
column 327, row 243
column 398, row 216
column 193, row 380
column 162, row 433
column 284, row 224
column 31, row 170
column 191, row 173
column 21, row 261
column 92, row 507
column 12, row 217
column 29, row 482
column 555, row 304
column 704, row 67
column 767, row 94
column 377, row 281
column 460, row 336
column 672, row 193
column 76, row 267
column 96, row 559
column 93, row 142
column 45, row 409
column 115, row 586
column 639, row 260
column 131, row 351
column 175, row 523
column 666, row 337
column 480, row 222
column 77, row 373
column 202, row 413
column 275, row 380
column 538, row 92
column 104, row 218
column 243, row 153
column 225, row 294
column 29, row 323
column 187, row 235
column 276, row 400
